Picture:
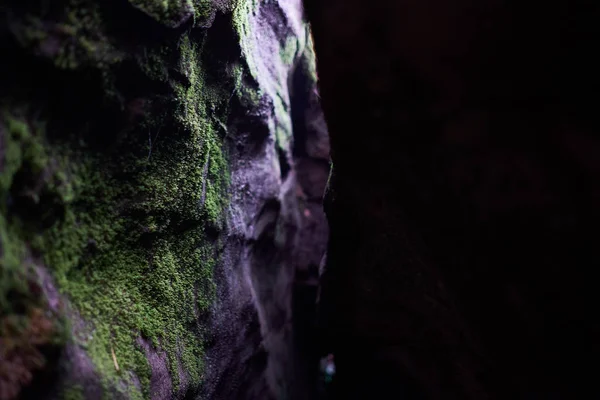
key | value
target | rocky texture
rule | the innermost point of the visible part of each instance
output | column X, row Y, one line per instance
column 150, row 196
column 463, row 197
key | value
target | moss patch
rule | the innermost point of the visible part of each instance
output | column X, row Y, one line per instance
column 174, row 13
column 133, row 250
column 131, row 233
column 72, row 38
column 30, row 332
column 74, row 392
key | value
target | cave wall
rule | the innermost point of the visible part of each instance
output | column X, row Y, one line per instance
column 151, row 197
column 463, row 199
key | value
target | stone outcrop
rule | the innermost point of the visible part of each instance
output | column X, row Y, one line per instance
column 463, row 197
column 160, row 166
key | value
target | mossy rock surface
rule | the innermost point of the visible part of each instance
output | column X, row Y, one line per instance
column 115, row 178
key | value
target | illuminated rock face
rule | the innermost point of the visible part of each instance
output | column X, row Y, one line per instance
column 463, row 194
column 161, row 166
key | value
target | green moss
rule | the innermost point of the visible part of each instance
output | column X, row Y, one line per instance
column 19, row 147
column 73, row 40
column 159, row 289
column 283, row 136
column 28, row 327
column 310, row 57
column 242, row 10
column 125, row 289
column 152, row 63
column 236, row 71
column 74, row 392
column 13, row 275
column 289, row 51
column 131, row 250
column 173, row 13
column 244, row 89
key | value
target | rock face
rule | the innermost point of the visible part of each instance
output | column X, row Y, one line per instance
column 161, row 166
column 463, row 198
